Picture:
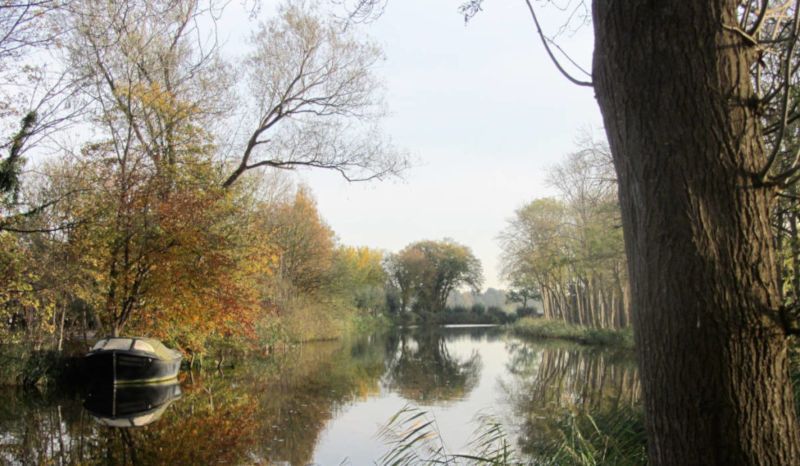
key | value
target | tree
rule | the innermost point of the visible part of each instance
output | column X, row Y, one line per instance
column 522, row 295
column 689, row 152
column 315, row 100
column 35, row 102
column 402, row 270
column 428, row 271
column 357, row 275
column 304, row 246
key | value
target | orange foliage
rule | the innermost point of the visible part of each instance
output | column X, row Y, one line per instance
column 207, row 284
column 304, row 244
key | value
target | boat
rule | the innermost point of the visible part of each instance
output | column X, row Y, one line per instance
column 130, row 405
column 134, row 360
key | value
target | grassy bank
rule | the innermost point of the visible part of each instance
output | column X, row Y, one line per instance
column 544, row 328
column 305, row 320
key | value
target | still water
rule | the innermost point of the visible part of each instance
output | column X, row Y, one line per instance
column 324, row 403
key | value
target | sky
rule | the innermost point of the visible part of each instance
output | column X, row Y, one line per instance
column 482, row 112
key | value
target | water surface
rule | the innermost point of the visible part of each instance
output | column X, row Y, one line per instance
column 324, row 403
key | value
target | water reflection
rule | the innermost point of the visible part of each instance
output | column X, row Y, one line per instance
column 320, row 403
column 556, row 391
column 130, row 406
column 424, row 370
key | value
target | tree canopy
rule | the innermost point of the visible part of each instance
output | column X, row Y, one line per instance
column 426, row 272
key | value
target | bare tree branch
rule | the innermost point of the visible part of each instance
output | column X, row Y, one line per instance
column 315, row 100
column 553, row 58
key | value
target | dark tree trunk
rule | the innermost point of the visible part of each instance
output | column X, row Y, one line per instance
column 673, row 86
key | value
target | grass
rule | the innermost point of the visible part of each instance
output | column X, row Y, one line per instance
column 544, row 328
column 413, row 438
column 613, row 438
column 306, row 320
column 618, row 438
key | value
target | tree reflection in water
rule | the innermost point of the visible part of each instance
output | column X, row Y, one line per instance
column 425, row 371
column 275, row 411
column 567, row 398
column 262, row 413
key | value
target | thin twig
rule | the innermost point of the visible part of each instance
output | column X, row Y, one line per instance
column 550, row 52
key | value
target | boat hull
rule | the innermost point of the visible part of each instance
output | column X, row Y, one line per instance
column 127, row 367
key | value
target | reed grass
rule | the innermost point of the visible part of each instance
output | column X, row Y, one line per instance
column 413, row 438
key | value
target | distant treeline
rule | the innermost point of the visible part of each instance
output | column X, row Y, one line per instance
column 491, row 297
column 462, row 315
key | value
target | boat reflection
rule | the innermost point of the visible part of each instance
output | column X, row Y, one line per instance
column 131, row 405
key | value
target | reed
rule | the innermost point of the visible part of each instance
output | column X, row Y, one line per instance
column 413, row 438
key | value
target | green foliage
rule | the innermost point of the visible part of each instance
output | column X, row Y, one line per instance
column 28, row 294
column 357, row 276
column 522, row 294
column 11, row 166
column 525, row 312
column 476, row 314
column 586, row 440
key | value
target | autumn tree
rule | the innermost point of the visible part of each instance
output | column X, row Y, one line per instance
column 304, row 245
column 357, row 275
column 170, row 253
column 143, row 222
column 137, row 66
column 535, row 253
column 426, row 272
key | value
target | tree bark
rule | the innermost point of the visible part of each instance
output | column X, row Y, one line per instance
column 674, row 89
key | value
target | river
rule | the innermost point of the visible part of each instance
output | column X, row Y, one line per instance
column 325, row 403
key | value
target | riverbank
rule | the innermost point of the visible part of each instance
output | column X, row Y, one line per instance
column 20, row 365
column 533, row 327
column 23, row 365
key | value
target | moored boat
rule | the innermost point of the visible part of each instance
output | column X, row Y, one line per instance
column 134, row 360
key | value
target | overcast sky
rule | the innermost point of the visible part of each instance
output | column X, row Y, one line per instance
column 484, row 114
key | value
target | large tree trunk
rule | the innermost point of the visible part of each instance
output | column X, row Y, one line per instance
column 673, row 86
